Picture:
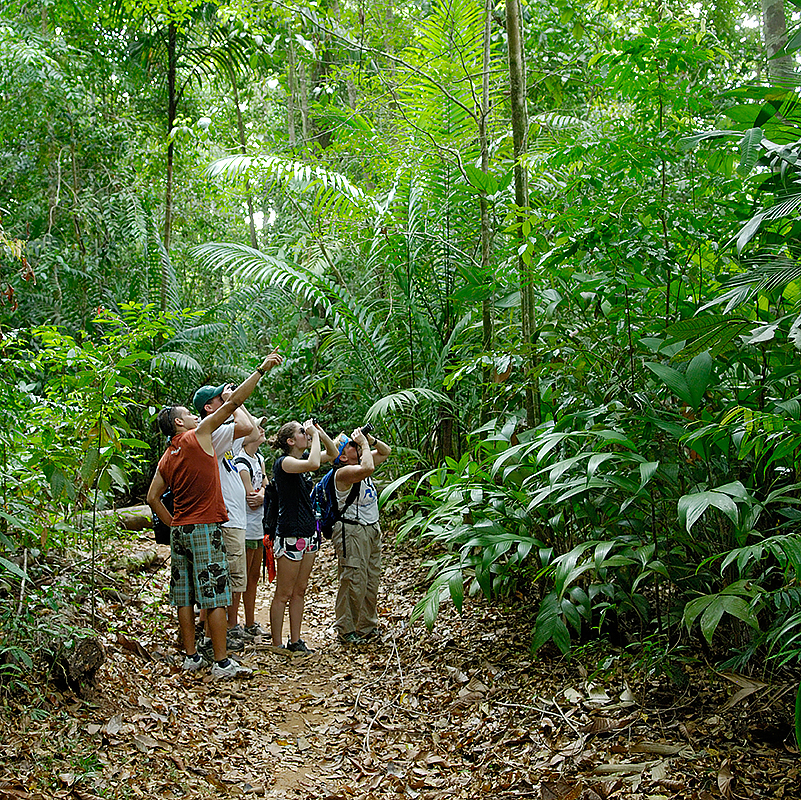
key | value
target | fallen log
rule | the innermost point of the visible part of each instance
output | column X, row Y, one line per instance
column 132, row 518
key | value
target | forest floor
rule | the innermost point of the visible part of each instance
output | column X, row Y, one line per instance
column 461, row 712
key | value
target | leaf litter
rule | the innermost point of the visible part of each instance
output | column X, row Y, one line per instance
column 464, row 711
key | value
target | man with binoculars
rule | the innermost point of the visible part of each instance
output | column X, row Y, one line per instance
column 357, row 536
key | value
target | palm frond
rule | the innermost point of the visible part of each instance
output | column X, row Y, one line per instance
column 405, row 400
column 333, row 192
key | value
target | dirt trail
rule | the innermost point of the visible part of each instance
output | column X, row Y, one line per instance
column 462, row 712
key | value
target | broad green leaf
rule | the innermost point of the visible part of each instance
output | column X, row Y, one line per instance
column 673, row 379
column 699, row 372
column 692, row 506
column 11, row 567
column 749, row 150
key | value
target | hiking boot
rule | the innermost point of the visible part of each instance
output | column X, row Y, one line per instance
column 194, row 663
column 351, row 638
column 253, row 630
column 370, row 636
column 233, row 669
column 298, row 647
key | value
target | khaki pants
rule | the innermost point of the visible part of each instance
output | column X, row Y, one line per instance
column 359, row 574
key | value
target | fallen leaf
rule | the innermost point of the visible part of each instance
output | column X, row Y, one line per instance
column 725, row 779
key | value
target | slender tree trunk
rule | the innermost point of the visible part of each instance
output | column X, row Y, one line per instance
column 774, row 35
column 517, row 85
column 291, row 89
column 172, row 106
column 304, row 102
column 486, row 305
column 243, row 146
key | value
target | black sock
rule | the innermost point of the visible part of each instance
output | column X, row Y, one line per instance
column 194, row 656
column 224, row 663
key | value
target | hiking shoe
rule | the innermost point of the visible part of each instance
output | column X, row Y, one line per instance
column 253, row 630
column 194, row 664
column 241, row 633
column 351, row 638
column 205, row 650
column 298, row 647
column 233, row 669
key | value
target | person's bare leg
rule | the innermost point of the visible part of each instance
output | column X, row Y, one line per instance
column 233, row 609
column 298, row 599
column 216, row 622
column 287, row 571
column 186, row 621
column 249, row 596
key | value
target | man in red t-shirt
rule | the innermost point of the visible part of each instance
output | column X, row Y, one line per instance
column 199, row 569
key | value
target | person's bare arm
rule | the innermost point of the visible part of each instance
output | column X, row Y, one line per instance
column 331, row 451
column 235, row 399
column 157, row 488
column 381, row 450
column 294, row 465
column 353, row 473
column 244, row 473
column 243, row 420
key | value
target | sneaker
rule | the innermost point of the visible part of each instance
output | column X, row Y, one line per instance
column 239, row 632
column 234, row 643
column 233, row 669
column 253, row 630
column 192, row 664
column 351, row 638
column 298, row 647
column 206, row 650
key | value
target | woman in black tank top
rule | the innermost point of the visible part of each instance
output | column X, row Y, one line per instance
column 297, row 540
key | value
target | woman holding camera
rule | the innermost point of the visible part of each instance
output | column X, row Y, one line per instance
column 297, row 539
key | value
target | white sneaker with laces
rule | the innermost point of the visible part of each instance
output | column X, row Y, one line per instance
column 192, row 665
column 233, row 670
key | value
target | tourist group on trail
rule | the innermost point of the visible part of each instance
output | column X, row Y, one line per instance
column 209, row 491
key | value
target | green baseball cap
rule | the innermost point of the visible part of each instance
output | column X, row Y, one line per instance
column 204, row 394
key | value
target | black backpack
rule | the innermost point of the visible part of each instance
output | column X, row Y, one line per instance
column 161, row 530
column 269, row 521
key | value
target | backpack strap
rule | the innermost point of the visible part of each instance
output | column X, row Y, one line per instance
column 352, row 495
column 349, row 500
column 246, row 462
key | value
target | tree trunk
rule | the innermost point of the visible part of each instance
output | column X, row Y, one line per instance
column 486, row 305
column 290, row 96
column 243, row 146
column 517, row 85
column 304, row 102
column 172, row 107
column 774, row 35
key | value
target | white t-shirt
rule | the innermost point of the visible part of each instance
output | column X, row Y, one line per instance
column 255, row 528
column 226, row 449
column 364, row 508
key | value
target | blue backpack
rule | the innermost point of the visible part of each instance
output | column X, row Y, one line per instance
column 326, row 509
